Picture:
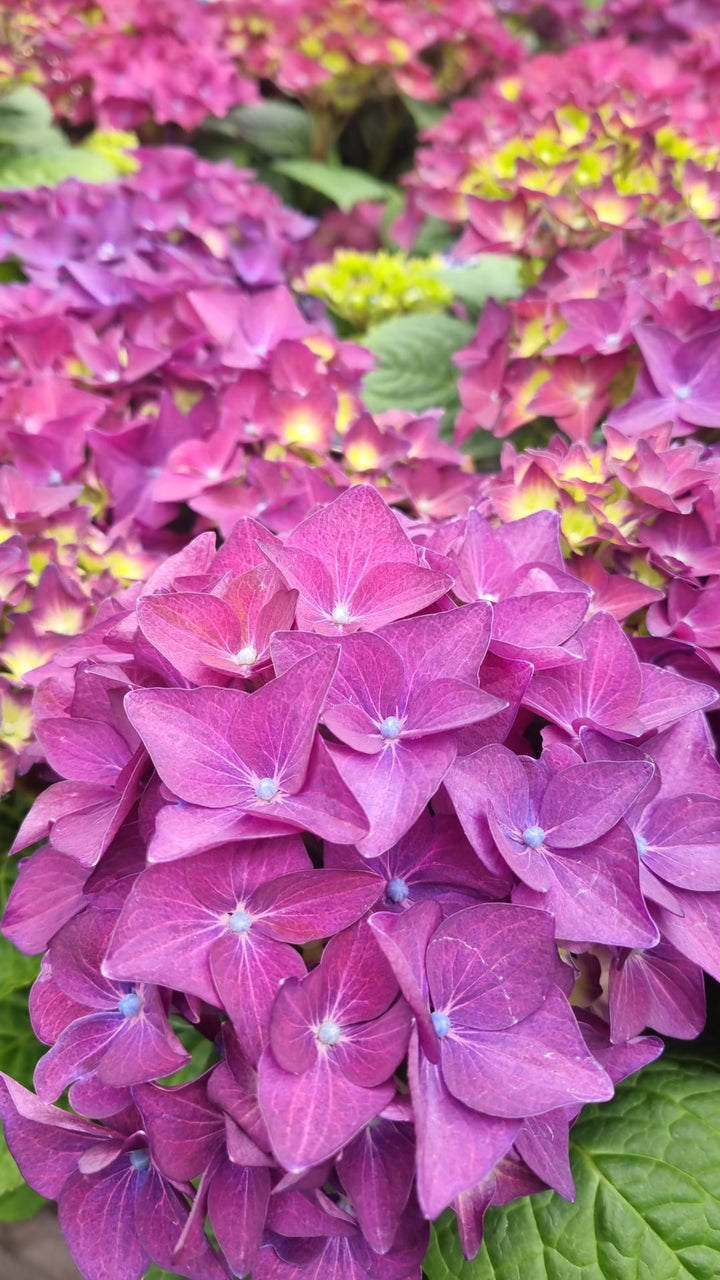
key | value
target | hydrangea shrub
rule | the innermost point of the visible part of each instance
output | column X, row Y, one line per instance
column 331, row 849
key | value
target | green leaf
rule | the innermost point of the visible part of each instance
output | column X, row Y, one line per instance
column 276, row 128
column 156, row 1274
column 46, row 168
column 10, row 1176
column 424, row 114
column 415, row 369
column 434, row 236
column 647, row 1170
column 19, row 1050
column 345, row 187
column 26, row 118
column 17, row 971
column 495, row 275
column 20, row 1204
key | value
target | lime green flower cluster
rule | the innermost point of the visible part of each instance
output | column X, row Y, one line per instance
column 573, row 152
column 364, row 288
column 116, row 147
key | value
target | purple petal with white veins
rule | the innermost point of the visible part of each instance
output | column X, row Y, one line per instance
column 681, row 841
column 184, row 1129
column 368, row 1055
column 46, row 1142
column 326, row 805
column 583, row 802
column 394, row 786
column 248, row 969
column 445, row 705
column 97, row 1219
column 491, row 965
column 184, row 829
column 456, row 1146
column 404, row 940
column 659, row 988
column 378, row 1168
column 312, row 904
column 47, row 893
column 542, row 1141
column 189, row 736
column 238, row 1200
column 311, row 1116
column 441, row 646
column 695, row 933
column 594, row 893
column 537, row 1065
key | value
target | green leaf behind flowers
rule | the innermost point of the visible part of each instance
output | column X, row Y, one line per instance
column 346, row 187
column 647, row 1171
column 414, row 362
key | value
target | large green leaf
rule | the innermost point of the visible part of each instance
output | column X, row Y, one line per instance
column 344, row 186
column 647, row 1169
column 493, row 275
column 415, row 369
column 26, row 119
column 275, row 128
column 45, row 168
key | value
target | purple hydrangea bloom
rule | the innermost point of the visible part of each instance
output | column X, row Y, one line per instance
column 106, row 1174
column 245, row 765
column 221, row 925
column 336, row 1038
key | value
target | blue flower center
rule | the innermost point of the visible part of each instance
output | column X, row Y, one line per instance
column 683, row 392
column 266, row 789
column 329, row 1032
column 397, row 890
column 140, row 1160
column 340, row 615
column 533, row 837
column 441, row 1023
column 641, row 844
column 130, row 1004
column 240, row 921
column 391, row 728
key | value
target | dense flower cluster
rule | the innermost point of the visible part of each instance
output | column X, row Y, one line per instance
column 160, row 379
column 365, row 288
column 329, row 735
column 611, row 332
column 572, row 146
column 124, row 64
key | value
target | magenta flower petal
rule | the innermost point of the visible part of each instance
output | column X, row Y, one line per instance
column 248, row 971
column 456, row 1146
column 238, row 1199
column 311, row 1116
column 538, row 1064
column 378, row 1170
column 583, row 802
column 595, row 892
column 659, row 988
column 394, row 785
column 111, row 1200
column 369, row 1055
column 492, row 965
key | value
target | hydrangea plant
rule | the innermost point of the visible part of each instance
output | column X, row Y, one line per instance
column 329, row 848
